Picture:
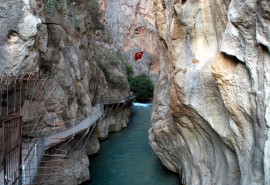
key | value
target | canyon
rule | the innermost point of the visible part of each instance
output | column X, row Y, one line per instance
column 209, row 60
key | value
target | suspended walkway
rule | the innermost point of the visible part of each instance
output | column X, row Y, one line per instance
column 33, row 152
column 87, row 123
column 110, row 100
column 26, row 136
column 78, row 128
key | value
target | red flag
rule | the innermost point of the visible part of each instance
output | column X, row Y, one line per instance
column 138, row 55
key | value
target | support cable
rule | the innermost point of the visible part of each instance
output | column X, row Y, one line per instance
column 90, row 133
column 73, row 148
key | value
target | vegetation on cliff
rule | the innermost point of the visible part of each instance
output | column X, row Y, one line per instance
column 129, row 71
column 143, row 87
column 74, row 11
column 110, row 62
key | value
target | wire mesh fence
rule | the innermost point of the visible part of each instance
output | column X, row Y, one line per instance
column 27, row 97
column 24, row 100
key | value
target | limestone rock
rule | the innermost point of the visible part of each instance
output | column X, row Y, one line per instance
column 18, row 29
column 93, row 146
column 131, row 27
column 74, row 169
column 57, row 40
column 114, row 121
column 210, row 119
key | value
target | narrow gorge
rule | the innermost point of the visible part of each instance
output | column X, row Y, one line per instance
column 209, row 61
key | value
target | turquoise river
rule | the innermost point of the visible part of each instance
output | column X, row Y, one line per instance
column 126, row 158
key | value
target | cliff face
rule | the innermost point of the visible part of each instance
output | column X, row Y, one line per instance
column 130, row 25
column 18, row 28
column 58, row 39
column 211, row 107
column 210, row 120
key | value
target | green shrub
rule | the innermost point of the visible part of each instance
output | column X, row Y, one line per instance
column 143, row 87
column 71, row 11
column 113, row 57
column 116, row 80
column 129, row 71
column 109, row 62
column 52, row 5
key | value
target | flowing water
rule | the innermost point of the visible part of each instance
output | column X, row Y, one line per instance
column 126, row 157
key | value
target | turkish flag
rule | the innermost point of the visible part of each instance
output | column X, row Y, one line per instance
column 138, row 55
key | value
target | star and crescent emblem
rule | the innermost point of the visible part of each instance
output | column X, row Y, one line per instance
column 138, row 55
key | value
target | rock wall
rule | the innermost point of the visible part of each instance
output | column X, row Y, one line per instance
column 18, row 29
column 114, row 120
column 210, row 120
column 74, row 170
column 57, row 39
column 130, row 25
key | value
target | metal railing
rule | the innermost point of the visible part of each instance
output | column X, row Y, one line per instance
column 72, row 122
column 27, row 95
column 12, row 150
column 31, row 161
column 112, row 100
column 78, row 127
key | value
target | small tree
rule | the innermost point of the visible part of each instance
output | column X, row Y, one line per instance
column 143, row 87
